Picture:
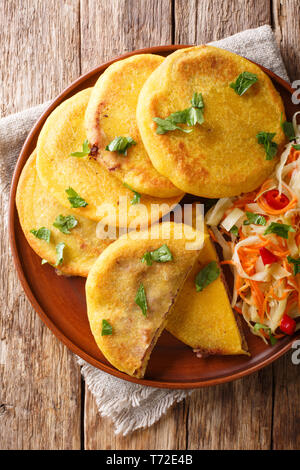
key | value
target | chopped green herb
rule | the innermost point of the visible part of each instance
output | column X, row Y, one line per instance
column 140, row 299
column 120, row 144
column 75, row 199
column 287, row 128
column 265, row 139
column 106, row 328
column 65, row 223
column 254, row 219
column 244, row 81
column 260, row 326
column 136, row 198
column 161, row 255
column 60, row 253
column 42, row 233
column 44, row 261
column 234, row 230
column 166, row 125
column 296, row 263
column 282, row 230
column 207, row 275
column 190, row 116
column 85, row 150
column 296, row 146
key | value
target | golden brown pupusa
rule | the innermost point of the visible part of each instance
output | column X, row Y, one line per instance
column 38, row 208
column 222, row 156
column 112, row 286
column 111, row 112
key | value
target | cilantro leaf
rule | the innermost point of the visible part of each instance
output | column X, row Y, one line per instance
column 296, row 146
column 106, row 328
column 161, row 255
column 60, row 253
column 243, row 82
column 120, row 144
column 287, row 128
column 75, row 199
column 282, row 230
column 136, row 198
column 296, row 263
column 234, row 230
column 42, row 233
column 85, row 150
column 256, row 219
column 260, row 326
column 65, row 223
column 265, row 139
column 140, row 299
column 190, row 116
column 166, row 125
column 197, row 100
column 207, row 275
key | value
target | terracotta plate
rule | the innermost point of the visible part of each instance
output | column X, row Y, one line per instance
column 60, row 301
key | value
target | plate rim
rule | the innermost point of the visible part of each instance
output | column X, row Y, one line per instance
column 12, row 214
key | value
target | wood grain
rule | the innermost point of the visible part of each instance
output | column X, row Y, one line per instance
column 40, row 381
column 168, row 433
column 110, row 28
column 286, row 18
column 198, row 21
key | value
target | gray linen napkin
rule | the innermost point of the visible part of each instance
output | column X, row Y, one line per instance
column 132, row 406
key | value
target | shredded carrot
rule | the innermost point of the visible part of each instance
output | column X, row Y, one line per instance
column 212, row 235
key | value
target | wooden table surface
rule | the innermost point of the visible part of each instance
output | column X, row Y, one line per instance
column 44, row 404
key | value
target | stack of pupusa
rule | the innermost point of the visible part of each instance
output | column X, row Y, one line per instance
column 105, row 168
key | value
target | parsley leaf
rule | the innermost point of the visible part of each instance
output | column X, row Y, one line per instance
column 256, row 219
column 260, row 326
column 282, row 230
column 136, row 198
column 120, row 144
column 65, row 223
column 60, row 253
column 42, row 233
column 140, row 299
column 234, row 230
column 265, row 139
column 296, row 263
column 287, row 128
column 244, row 81
column 296, row 146
column 161, row 255
column 207, row 275
column 106, row 328
column 75, row 199
column 190, row 116
column 85, row 150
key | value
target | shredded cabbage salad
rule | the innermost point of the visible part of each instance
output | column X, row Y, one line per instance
column 259, row 233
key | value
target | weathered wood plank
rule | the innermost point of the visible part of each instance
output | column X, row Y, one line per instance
column 40, row 381
column 201, row 21
column 168, row 433
column 286, row 418
column 109, row 29
column 237, row 415
column 286, row 17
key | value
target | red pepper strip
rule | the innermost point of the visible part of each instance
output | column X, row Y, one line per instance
column 275, row 200
column 288, row 325
column 267, row 256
